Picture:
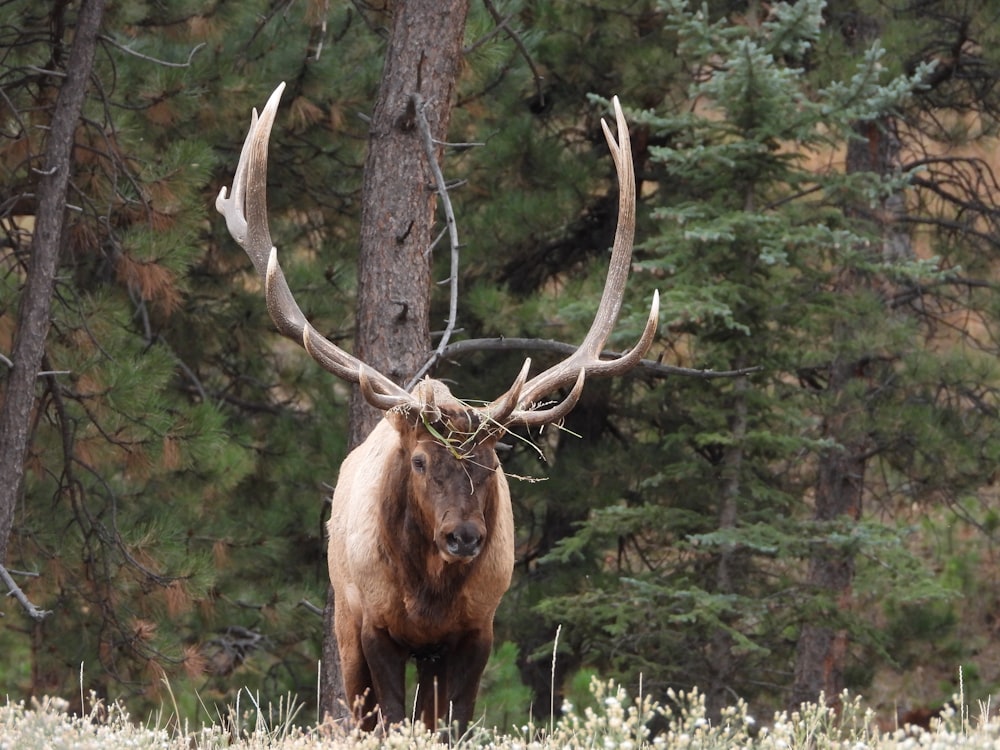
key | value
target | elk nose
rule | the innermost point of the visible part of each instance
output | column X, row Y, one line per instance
column 464, row 541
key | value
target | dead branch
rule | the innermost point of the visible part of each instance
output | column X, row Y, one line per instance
column 652, row 367
column 164, row 63
column 449, row 214
column 34, row 612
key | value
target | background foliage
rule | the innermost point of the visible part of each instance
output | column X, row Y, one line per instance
column 182, row 452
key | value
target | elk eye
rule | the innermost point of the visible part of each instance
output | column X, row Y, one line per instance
column 420, row 464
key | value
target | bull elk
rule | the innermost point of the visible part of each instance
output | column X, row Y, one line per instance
column 421, row 535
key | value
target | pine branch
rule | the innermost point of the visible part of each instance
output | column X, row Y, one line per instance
column 502, row 23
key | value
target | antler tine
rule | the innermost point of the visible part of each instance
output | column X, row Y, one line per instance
column 586, row 361
column 501, row 409
column 245, row 210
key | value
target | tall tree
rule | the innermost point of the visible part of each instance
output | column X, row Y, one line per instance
column 46, row 247
column 907, row 138
column 422, row 61
column 131, row 529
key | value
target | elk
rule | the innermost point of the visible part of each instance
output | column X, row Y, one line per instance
column 421, row 533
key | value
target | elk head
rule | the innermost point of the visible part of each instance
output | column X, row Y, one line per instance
column 450, row 461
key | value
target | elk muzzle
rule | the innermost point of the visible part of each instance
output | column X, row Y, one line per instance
column 461, row 541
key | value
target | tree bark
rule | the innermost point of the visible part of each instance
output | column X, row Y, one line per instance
column 398, row 200
column 423, row 57
column 36, row 303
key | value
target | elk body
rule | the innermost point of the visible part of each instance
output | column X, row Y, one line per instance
column 421, row 535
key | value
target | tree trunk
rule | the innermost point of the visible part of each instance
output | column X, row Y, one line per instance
column 821, row 652
column 722, row 662
column 423, row 58
column 36, row 303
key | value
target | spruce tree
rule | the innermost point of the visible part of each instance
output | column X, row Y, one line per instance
column 726, row 555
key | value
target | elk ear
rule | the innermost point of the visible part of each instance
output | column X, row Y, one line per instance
column 421, row 406
column 403, row 418
column 408, row 418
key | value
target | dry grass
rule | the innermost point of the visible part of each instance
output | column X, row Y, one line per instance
column 617, row 721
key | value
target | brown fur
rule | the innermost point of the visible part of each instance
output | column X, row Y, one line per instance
column 399, row 590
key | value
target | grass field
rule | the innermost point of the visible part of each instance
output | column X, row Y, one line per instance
column 615, row 721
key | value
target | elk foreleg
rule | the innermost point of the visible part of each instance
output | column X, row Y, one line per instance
column 359, row 689
column 386, row 661
column 432, row 689
column 465, row 663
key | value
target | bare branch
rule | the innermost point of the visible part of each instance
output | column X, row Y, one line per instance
column 363, row 9
column 164, row 63
column 34, row 612
column 191, row 375
column 652, row 367
column 449, row 215
column 496, row 31
column 308, row 605
column 317, row 34
column 45, row 71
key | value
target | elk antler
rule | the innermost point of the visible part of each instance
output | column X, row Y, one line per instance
column 246, row 218
column 245, row 210
column 515, row 406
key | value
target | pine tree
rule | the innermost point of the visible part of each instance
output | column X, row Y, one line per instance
column 172, row 511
